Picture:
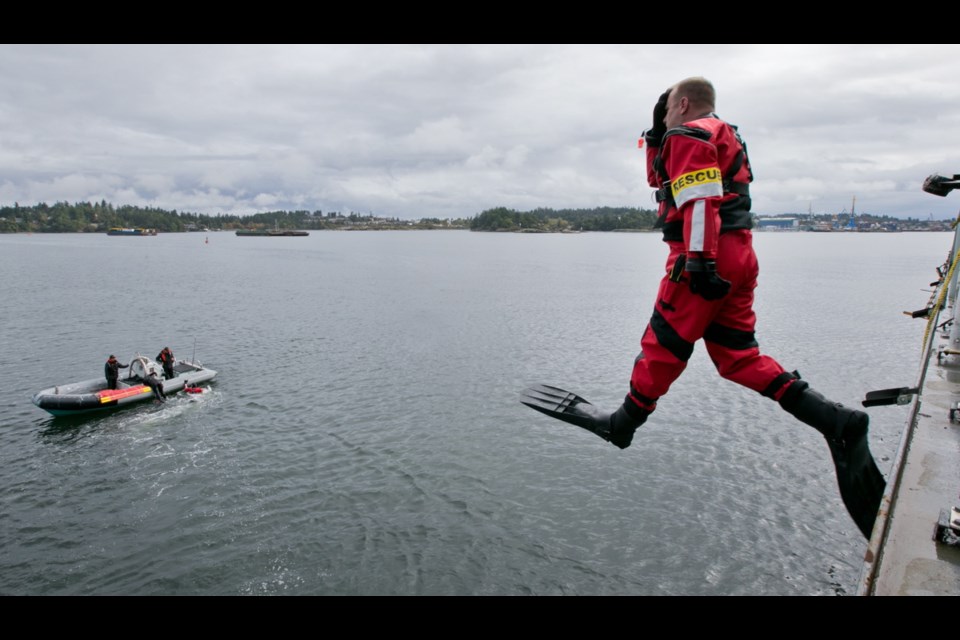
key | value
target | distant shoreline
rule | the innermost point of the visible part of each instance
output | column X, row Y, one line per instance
column 933, row 228
column 100, row 217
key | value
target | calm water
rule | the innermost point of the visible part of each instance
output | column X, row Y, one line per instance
column 364, row 435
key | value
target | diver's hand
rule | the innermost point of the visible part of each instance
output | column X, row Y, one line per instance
column 704, row 280
column 654, row 135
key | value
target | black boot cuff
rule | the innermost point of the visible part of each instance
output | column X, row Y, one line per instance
column 636, row 413
column 792, row 394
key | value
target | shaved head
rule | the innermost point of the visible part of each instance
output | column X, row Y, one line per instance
column 698, row 91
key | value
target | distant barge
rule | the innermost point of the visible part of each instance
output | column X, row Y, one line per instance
column 122, row 231
column 269, row 232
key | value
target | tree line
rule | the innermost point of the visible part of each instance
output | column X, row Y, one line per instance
column 559, row 220
column 94, row 217
column 98, row 217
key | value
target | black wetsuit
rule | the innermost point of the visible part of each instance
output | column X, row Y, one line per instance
column 165, row 358
column 111, row 370
column 156, row 386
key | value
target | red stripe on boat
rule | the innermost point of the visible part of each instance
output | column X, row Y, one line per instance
column 118, row 394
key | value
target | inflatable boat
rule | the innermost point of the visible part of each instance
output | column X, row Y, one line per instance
column 78, row 398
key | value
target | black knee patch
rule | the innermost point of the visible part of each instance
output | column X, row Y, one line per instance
column 669, row 338
column 730, row 338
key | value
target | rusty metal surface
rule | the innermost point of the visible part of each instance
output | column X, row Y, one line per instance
column 903, row 558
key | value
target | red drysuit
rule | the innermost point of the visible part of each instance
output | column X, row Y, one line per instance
column 702, row 174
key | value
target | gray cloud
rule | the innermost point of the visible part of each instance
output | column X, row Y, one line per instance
column 449, row 130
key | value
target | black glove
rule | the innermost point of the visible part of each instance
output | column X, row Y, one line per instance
column 654, row 135
column 704, row 280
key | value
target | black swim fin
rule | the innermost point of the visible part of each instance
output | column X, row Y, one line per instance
column 860, row 482
column 617, row 427
column 568, row 407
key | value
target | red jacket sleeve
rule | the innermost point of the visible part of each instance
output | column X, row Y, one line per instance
column 697, row 188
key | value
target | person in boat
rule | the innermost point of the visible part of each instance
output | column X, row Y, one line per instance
column 698, row 163
column 165, row 358
column 111, row 370
column 156, row 386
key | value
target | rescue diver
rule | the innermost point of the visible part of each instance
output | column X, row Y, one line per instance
column 156, row 386
column 698, row 163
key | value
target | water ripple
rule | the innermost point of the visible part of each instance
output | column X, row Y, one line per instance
column 364, row 434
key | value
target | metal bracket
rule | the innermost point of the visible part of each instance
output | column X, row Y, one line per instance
column 881, row 397
column 947, row 530
column 946, row 351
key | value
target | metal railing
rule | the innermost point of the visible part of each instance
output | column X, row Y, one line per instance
column 944, row 295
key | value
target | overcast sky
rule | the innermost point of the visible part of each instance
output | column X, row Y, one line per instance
column 448, row 130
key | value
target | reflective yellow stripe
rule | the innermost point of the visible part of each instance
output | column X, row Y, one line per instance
column 703, row 183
